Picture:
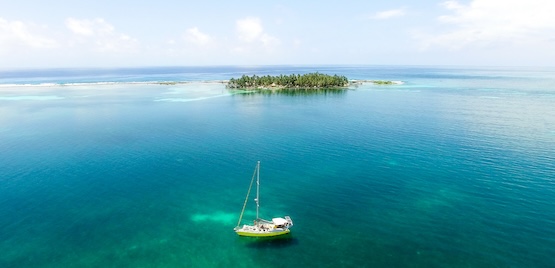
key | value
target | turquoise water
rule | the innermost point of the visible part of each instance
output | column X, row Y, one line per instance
column 453, row 168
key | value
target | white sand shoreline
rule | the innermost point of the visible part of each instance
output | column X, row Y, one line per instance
column 163, row 83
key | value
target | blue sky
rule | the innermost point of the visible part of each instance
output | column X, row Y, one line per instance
column 55, row 33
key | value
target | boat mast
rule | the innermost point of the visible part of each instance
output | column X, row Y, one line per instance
column 257, row 188
column 247, row 197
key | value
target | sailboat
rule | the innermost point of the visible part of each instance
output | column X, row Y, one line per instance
column 262, row 227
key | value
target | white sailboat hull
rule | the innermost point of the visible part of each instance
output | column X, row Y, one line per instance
column 264, row 228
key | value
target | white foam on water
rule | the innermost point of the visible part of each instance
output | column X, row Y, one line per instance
column 162, row 83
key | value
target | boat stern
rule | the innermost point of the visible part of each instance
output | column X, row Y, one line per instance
column 284, row 222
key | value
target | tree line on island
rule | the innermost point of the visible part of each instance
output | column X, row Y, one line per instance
column 305, row 81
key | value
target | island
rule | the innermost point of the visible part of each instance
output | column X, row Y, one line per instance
column 382, row 82
column 293, row 81
column 310, row 81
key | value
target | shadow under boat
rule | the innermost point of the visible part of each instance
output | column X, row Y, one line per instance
column 281, row 241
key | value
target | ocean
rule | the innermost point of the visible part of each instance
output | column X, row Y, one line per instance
column 454, row 167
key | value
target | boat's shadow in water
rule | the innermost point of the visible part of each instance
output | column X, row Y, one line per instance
column 269, row 242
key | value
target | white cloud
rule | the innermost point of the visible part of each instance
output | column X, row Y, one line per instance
column 195, row 36
column 249, row 29
column 80, row 27
column 269, row 41
column 251, row 33
column 14, row 34
column 489, row 22
column 388, row 14
column 100, row 35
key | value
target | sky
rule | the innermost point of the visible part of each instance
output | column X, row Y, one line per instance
column 124, row 33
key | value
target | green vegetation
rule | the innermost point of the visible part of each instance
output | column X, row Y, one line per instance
column 294, row 81
column 382, row 82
